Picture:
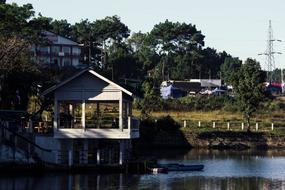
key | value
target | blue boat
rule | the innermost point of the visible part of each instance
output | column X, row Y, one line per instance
column 182, row 167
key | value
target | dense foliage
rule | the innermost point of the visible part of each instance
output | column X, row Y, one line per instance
column 171, row 50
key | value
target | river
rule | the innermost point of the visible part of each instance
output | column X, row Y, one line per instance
column 224, row 170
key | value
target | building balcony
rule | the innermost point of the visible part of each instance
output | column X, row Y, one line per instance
column 129, row 132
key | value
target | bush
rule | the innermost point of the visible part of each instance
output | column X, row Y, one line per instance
column 198, row 103
column 167, row 123
column 150, row 127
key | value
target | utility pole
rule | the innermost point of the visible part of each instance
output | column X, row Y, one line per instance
column 269, row 53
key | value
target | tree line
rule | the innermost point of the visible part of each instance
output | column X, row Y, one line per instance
column 171, row 50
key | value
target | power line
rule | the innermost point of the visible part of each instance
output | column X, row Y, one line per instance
column 269, row 53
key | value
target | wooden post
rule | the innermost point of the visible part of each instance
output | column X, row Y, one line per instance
column 185, row 123
column 98, row 156
column 272, row 126
column 121, row 111
column 129, row 123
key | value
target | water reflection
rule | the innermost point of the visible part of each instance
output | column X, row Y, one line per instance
column 147, row 182
column 224, row 170
column 204, row 183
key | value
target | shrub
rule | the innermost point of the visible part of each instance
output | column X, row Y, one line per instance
column 167, row 123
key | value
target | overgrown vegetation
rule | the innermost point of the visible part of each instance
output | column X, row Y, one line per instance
column 171, row 50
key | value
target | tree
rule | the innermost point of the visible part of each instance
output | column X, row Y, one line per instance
column 146, row 57
column 106, row 32
column 97, row 37
column 229, row 69
column 122, row 63
column 249, row 88
column 18, row 30
column 174, row 40
column 62, row 27
column 17, row 73
column 151, row 100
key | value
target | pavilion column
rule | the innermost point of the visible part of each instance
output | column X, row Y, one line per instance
column 83, row 114
column 121, row 111
column 56, row 123
column 128, row 107
column 98, row 115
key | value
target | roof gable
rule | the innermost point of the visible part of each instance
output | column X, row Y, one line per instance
column 58, row 39
column 93, row 73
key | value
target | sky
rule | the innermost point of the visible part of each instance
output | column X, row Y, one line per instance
column 239, row 27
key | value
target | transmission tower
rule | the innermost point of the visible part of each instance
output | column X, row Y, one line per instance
column 269, row 53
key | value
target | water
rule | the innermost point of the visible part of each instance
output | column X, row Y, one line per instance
column 224, row 170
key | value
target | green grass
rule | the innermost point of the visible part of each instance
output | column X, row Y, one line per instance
column 221, row 118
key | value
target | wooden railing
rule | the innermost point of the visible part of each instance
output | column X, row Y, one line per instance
column 16, row 140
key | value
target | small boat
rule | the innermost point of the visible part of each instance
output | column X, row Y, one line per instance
column 158, row 170
column 182, row 167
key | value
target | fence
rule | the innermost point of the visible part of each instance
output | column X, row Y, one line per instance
column 233, row 125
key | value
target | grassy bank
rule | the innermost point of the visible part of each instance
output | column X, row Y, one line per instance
column 217, row 115
column 221, row 119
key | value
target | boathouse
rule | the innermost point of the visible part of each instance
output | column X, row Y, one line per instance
column 92, row 122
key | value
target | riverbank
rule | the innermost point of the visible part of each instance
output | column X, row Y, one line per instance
column 209, row 139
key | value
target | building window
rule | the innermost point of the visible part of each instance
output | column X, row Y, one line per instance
column 102, row 114
column 66, row 50
column 75, row 51
column 70, row 115
column 55, row 50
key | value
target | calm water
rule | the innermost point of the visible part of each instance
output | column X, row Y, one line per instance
column 224, row 170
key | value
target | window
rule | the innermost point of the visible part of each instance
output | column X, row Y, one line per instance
column 75, row 51
column 66, row 50
column 70, row 114
column 102, row 114
column 55, row 49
